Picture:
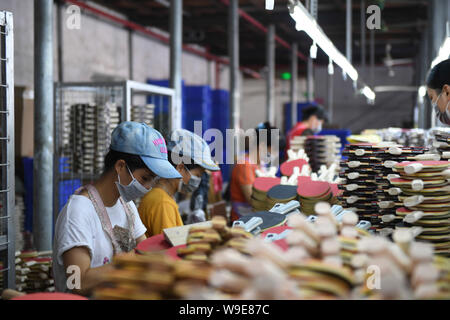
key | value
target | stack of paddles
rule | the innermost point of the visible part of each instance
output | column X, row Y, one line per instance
column 107, row 119
column 321, row 150
column 19, row 222
column 143, row 114
column 387, row 193
column 442, row 144
column 82, row 137
column 261, row 187
column 403, row 269
column 33, row 272
column 90, row 131
column 152, row 276
column 203, row 241
column 312, row 192
column 326, row 258
column 360, row 183
column 426, row 200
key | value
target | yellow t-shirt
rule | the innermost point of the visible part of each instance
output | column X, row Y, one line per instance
column 159, row 211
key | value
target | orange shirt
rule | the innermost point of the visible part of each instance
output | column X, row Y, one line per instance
column 242, row 174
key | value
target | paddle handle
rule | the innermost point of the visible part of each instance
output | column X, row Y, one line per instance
column 9, row 294
column 427, row 156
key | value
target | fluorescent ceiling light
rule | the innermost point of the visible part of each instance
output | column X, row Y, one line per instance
column 330, row 67
column 269, row 4
column 422, row 91
column 444, row 52
column 313, row 51
column 305, row 22
column 368, row 93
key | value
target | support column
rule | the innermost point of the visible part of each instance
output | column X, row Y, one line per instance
column 43, row 125
column 372, row 57
column 294, row 75
column 59, row 35
column 270, row 92
column 233, row 51
column 130, row 55
column 176, row 42
column 348, row 31
column 330, row 98
column 363, row 37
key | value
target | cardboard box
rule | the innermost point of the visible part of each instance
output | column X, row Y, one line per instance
column 27, row 138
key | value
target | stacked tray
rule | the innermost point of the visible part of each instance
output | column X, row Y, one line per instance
column 260, row 188
column 143, row 114
column 426, row 200
column 90, row 131
column 321, row 150
column 360, row 186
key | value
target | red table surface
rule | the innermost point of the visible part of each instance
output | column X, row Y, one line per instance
column 50, row 296
column 154, row 243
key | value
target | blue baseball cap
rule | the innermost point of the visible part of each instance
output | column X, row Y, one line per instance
column 191, row 147
column 140, row 139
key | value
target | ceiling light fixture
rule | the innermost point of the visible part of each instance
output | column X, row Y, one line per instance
column 305, row 22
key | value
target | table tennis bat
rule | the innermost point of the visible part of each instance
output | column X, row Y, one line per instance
column 287, row 168
column 414, row 167
column 270, row 219
column 282, row 192
column 264, row 184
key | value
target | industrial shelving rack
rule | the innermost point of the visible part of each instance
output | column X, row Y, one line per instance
column 122, row 97
column 7, row 185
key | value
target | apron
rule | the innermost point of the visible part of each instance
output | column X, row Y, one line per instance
column 122, row 239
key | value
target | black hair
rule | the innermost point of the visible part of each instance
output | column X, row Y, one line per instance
column 313, row 110
column 188, row 162
column 439, row 75
column 264, row 126
column 133, row 161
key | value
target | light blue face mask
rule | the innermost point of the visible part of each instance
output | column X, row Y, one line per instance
column 132, row 191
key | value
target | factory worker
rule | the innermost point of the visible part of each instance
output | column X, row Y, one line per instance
column 190, row 155
column 243, row 175
column 100, row 220
column 438, row 89
column 313, row 117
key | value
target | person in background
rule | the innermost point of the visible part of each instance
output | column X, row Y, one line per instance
column 313, row 117
column 438, row 89
column 199, row 200
column 100, row 220
column 243, row 175
column 190, row 155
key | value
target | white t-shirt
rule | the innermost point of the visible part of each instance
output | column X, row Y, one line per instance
column 78, row 225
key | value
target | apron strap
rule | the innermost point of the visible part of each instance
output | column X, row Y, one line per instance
column 99, row 207
column 130, row 216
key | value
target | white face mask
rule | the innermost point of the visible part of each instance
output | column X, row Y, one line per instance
column 132, row 191
column 443, row 117
column 191, row 185
column 319, row 128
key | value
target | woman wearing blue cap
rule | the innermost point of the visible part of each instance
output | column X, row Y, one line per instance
column 100, row 220
column 191, row 156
